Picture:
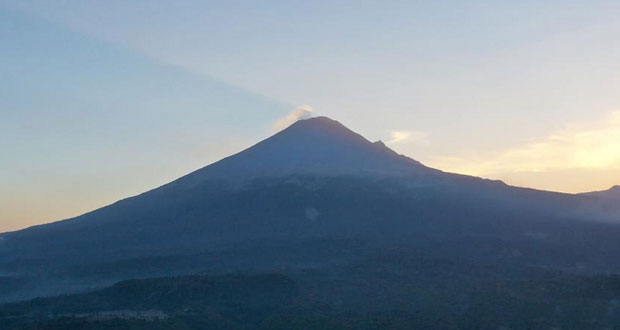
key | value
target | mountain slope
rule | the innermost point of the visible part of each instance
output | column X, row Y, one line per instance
column 312, row 146
column 312, row 196
column 611, row 193
column 606, row 203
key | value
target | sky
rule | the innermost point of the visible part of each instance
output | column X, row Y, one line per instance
column 101, row 100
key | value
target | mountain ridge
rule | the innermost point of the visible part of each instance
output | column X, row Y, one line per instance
column 613, row 191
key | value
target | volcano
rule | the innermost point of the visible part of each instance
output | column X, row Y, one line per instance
column 313, row 196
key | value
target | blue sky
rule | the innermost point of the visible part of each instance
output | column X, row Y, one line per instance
column 105, row 99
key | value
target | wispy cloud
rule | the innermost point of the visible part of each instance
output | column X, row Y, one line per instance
column 398, row 137
column 301, row 112
column 592, row 146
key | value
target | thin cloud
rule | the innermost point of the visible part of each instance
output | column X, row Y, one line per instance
column 399, row 137
column 301, row 112
column 594, row 146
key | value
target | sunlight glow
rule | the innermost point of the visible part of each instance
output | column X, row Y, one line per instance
column 593, row 146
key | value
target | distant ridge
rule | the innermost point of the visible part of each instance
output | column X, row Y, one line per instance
column 613, row 192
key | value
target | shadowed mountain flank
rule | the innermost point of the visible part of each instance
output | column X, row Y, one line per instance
column 312, row 146
column 313, row 196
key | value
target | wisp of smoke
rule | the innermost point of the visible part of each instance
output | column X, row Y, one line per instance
column 301, row 112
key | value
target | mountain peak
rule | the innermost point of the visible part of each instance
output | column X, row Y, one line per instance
column 322, row 125
column 614, row 192
column 320, row 120
column 317, row 145
column 318, row 130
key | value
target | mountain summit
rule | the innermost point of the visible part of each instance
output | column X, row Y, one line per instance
column 317, row 145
